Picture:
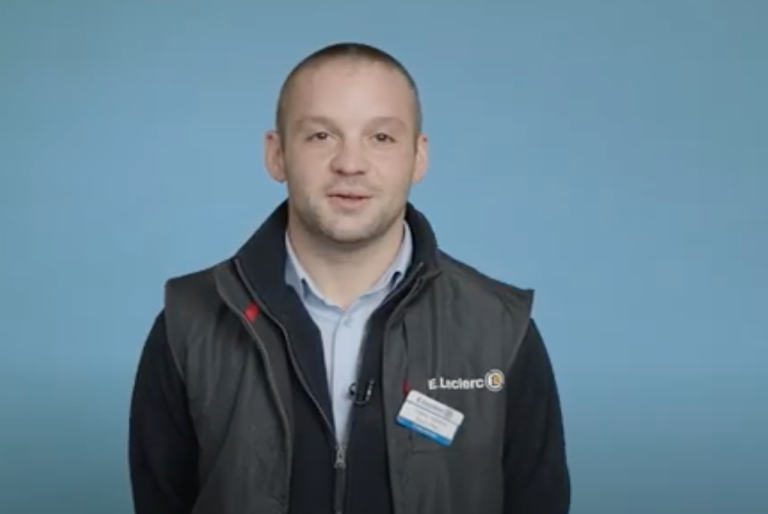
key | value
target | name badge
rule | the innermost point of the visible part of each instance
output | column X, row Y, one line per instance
column 430, row 418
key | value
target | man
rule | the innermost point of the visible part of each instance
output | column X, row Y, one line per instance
column 340, row 362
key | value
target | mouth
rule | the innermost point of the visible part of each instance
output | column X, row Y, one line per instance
column 349, row 196
column 345, row 199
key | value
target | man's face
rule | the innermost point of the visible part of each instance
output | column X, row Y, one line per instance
column 350, row 150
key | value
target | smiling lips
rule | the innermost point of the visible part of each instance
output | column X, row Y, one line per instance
column 349, row 195
column 348, row 199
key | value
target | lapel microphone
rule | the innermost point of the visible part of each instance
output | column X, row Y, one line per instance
column 361, row 396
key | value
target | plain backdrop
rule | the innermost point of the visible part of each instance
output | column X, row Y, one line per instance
column 611, row 154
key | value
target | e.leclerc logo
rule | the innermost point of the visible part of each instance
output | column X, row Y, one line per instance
column 492, row 381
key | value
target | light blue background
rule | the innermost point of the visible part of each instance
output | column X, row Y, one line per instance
column 611, row 154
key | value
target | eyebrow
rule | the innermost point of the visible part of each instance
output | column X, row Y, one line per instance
column 323, row 120
column 314, row 120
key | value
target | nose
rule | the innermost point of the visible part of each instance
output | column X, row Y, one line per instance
column 350, row 159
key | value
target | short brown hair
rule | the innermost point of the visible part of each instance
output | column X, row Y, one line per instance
column 352, row 51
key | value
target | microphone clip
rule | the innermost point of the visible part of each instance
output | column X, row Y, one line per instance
column 362, row 396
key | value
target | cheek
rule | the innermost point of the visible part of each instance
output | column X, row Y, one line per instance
column 304, row 182
column 400, row 169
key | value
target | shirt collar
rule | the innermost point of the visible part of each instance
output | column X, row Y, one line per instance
column 297, row 277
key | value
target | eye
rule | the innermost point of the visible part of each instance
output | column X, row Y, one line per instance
column 319, row 136
column 381, row 137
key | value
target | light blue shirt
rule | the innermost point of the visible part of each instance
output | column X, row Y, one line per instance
column 343, row 330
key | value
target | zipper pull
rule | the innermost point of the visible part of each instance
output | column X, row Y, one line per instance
column 340, row 479
column 340, row 462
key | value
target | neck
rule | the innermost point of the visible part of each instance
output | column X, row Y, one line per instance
column 344, row 274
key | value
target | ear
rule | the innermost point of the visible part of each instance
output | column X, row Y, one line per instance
column 422, row 158
column 274, row 160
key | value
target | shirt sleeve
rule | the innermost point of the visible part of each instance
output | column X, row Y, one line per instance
column 537, row 479
column 162, row 443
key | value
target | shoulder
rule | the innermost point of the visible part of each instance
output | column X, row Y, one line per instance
column 496, row 314
column 191, row 301
column 482, row 288
column 485, row 303
column 195, row 283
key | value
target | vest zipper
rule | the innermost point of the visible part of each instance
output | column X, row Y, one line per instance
column 340, row 450
column 340, row 465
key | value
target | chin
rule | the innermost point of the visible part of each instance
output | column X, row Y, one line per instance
column 346, row 230
column 349, row 237
column 345, row 233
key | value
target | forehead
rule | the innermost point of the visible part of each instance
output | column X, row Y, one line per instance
column 350, row 90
